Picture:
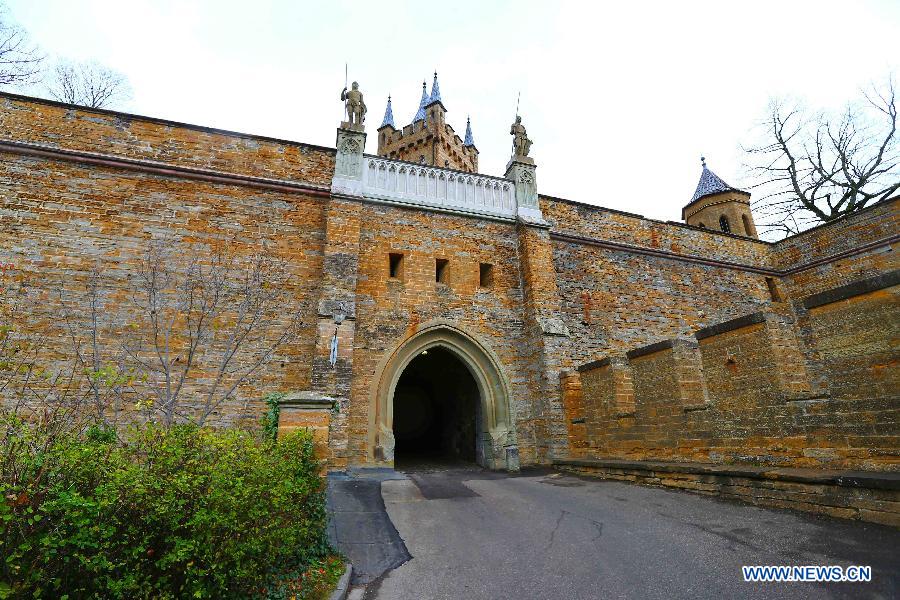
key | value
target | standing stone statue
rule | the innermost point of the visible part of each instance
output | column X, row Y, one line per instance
column 521, row 143
column 353, row 102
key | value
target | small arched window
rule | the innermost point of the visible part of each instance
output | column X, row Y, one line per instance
column 701, row 225
column 748, row 230
column 723, row 224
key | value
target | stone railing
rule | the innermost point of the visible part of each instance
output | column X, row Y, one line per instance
column 510, row 198
column 421, row 185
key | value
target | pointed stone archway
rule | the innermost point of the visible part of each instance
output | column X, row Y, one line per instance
column 497, row 443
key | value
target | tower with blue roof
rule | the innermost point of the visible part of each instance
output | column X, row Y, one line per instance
column 718, row 206
column 428, row 139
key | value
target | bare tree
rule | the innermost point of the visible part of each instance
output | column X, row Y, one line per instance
column 814, row 168
column 35, row 382
column 194, row 330
column 108, row 378
column 20, row 60
column 217, row 321
column 88, row 84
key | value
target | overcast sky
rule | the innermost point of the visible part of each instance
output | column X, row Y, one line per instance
column 621, row 99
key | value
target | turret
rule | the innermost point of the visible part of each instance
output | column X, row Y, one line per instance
column 388, row 120
column 429, row 139
column 435, row 110
column 717, row 205
column 420, row 114
column 388, row 129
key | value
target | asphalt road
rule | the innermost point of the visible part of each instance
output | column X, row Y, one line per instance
column 474, row 534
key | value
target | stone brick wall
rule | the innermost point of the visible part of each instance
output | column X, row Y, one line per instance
column 871, row 497
column 855, row 348
column 65, row 218
column 804, row 382
column 61, row 126
column 390, row 309
column 671, row 238
column 851, row 248
column 762, row 405
column 625, row 281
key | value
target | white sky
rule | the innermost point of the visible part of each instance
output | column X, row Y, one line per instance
column 621, row 99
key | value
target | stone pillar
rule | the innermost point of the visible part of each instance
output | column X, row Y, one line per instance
column 336, row 307
column 689, row 379
column 545, row 346
column 522, row 171
column 349, row 164
column 792, row 374
column 576, row 413
column 311, row 411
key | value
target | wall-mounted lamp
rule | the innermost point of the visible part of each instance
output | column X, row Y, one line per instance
column 340, row 313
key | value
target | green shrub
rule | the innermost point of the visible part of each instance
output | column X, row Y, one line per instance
column 316, row 583
column 184, row 512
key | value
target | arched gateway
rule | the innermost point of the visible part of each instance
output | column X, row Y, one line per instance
column 495, row 438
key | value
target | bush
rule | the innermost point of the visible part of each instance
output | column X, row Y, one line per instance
column 183, row 512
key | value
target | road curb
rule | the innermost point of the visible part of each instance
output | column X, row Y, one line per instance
column 343, row 584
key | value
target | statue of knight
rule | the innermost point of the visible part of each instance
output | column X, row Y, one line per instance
column 353, row 102
column 521, row 143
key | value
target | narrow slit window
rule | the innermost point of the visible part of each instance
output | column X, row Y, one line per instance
column 486, row 275
column 773, row 289
column 441, row 268
column 724, row 225
column 748, row 229
column 395, row 265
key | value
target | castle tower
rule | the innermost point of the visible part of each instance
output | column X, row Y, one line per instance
column 717, row 205
column 429, row 139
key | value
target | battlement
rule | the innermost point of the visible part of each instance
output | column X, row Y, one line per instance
column 778, row 387
column 423, row 143
column 429, row 139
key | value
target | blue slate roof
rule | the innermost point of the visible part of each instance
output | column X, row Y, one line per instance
column 710, row 184
column 468, row 141
column 388, row 116
column 420, row 115
column 435, row 91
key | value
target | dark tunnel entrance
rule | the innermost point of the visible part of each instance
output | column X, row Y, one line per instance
column 437, row 411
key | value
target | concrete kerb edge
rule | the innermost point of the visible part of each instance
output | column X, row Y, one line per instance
column 343, row 585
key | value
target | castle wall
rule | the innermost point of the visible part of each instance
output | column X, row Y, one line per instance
column 718, row 365
column 391, row 309
column 626, row 281
column 61, row 126
column 855, row 247
column 802, row 374
column 758, row 405
column 65, row 219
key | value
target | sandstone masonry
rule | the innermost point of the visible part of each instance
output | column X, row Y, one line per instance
column 592, row 335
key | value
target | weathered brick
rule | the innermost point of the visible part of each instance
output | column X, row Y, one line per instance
column 799, row 387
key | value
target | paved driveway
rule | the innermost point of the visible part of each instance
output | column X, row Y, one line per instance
column 474, row 534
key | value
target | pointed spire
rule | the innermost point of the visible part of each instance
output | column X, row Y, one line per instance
column 388, row 115
column 710, row 183
column 435, row 91
column 468, row 141
column 420, row 115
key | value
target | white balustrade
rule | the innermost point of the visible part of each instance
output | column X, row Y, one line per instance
column 422, row 185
